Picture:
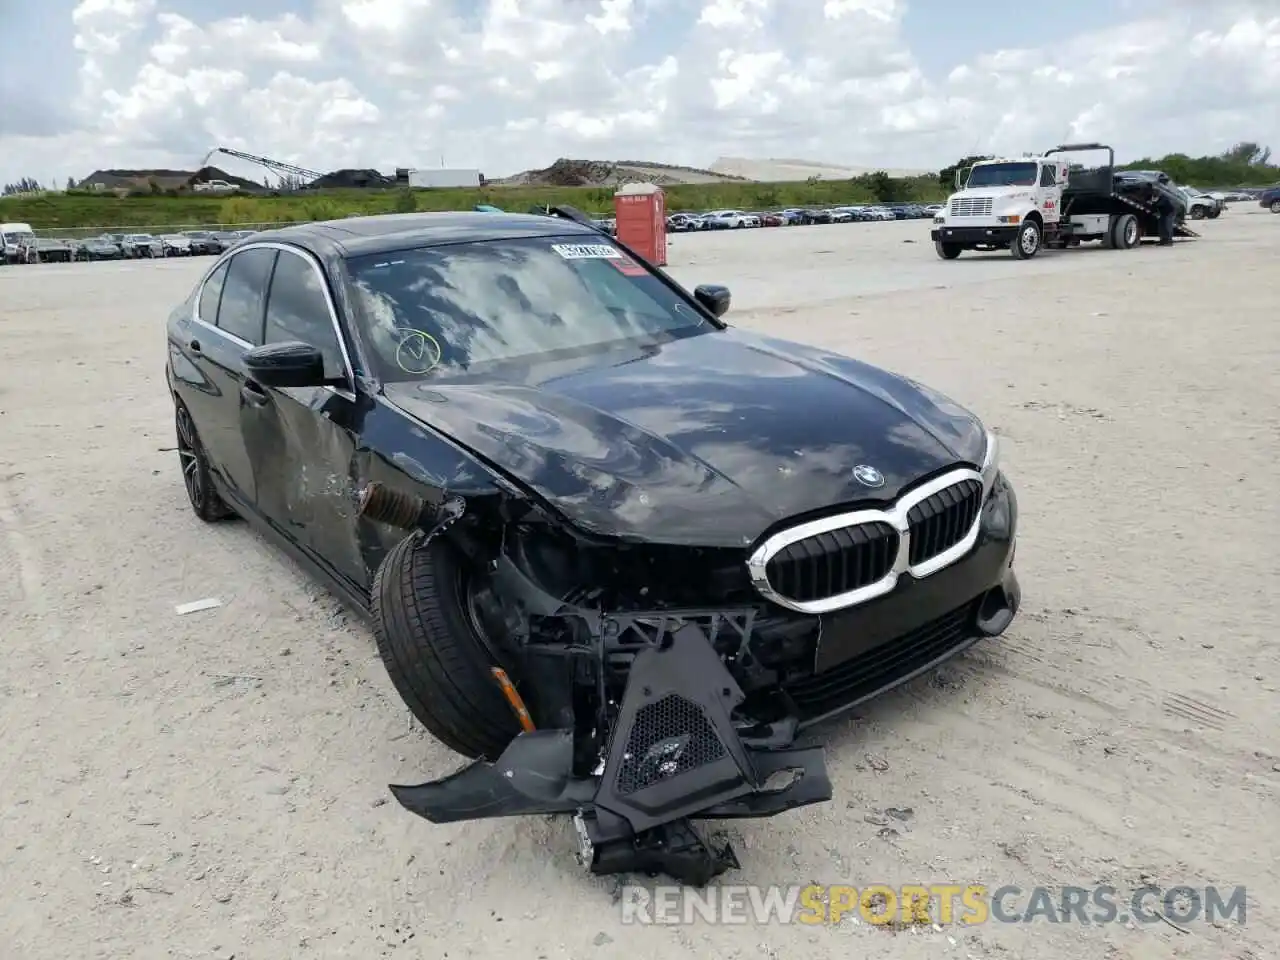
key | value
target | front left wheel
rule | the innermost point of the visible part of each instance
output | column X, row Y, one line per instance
column 1027, row 243
column 430, row 633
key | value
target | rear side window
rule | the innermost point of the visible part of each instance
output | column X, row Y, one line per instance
column 244, row 294
column 298, row 310
column 211, row 294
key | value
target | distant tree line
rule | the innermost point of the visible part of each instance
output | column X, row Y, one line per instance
column 1247, row 164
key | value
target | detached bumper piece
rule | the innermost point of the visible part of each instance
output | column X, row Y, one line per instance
column 674, row 756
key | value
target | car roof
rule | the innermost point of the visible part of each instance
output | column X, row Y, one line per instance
column 358, row 236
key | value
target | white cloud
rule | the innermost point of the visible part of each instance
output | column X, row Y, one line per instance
column 509, row 84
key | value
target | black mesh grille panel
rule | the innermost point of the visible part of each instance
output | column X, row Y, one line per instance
column 940, row 522
column 863, row 675
column 670, row 736
column 832, row 563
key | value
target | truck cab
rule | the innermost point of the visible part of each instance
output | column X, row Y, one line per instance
column 996, row 202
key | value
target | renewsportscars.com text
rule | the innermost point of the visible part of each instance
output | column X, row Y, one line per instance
column 968, row 904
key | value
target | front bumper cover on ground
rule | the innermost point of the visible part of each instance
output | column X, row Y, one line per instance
column 674, row 756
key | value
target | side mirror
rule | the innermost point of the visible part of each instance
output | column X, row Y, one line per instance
column 291, row 364
column 714, row 297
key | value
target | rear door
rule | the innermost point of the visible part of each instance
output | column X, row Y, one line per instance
column 303, row 439
column 221, row 337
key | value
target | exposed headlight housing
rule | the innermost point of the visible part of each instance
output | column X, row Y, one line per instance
column 990, row 463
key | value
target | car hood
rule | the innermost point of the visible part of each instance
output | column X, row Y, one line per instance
column 707, row 440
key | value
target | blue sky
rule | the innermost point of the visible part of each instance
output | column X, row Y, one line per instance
column 511, row 84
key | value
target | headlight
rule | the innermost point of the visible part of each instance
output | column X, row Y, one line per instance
column 990, row 463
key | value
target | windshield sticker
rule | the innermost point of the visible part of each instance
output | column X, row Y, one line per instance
column 586, row 251
column 418, row 352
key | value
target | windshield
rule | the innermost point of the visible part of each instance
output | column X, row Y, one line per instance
column 14, row 238
column 1003, row 175
column 469, row 307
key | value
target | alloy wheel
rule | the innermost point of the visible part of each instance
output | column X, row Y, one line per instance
column 189, row 457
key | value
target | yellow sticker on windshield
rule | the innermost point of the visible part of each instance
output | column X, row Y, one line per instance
column 417, row 352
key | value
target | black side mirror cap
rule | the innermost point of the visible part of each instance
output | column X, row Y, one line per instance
column 714, row 297
column 291, row 364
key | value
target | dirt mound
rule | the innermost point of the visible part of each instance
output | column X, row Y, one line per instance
column 600, row 173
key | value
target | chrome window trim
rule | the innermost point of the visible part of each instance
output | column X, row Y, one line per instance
column 896, row 517
column 225, row 257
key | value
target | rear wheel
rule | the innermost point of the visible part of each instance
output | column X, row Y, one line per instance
column 1126, row 232
column 430, row 632
column 947, row 251
column 1275, row 206
column 1027, row 243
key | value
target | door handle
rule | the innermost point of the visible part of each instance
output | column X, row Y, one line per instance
column 253, row 394
column 194, row 347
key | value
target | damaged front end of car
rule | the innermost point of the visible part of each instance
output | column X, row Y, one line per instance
column 630, row 696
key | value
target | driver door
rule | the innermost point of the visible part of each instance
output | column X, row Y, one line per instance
column 1049, row 194
column 303, row 439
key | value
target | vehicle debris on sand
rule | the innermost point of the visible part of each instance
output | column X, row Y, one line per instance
column 554, row 486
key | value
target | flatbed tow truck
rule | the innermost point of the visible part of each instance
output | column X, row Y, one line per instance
column 1024, row 205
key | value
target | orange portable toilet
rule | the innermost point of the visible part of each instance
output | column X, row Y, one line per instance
column 641, row 213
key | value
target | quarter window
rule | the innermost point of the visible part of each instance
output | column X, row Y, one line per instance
column 297, row 309
column 211, row 294
column 244, row 294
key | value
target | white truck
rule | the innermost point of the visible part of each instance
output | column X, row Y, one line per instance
column 443, row 178
column 1026, row 204
column 17, row 243
column 214, row 186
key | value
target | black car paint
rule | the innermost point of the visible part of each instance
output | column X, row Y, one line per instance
column 709, row 440
column 705, row 440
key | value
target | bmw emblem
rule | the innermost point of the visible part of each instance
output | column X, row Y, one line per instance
column 868, row 476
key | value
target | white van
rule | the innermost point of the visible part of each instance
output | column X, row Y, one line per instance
column 17, row 243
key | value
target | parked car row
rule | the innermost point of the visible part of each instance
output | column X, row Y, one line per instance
column 798, row 216
column 29, row 248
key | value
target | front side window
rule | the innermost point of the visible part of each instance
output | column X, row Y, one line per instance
column 1013, row 174
column 297, row 309
column 1048, row 177
column 473, row 307
column 244, row 294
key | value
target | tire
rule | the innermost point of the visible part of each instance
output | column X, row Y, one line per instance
column 1126, row 232
column 1197, row 213
column 204, row 499
column 1275, row 206
column 436, row 660
column 947, row 251
column 1215, row 213
column 1027, row 243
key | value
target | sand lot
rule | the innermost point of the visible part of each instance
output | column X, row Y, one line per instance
column 213, row 785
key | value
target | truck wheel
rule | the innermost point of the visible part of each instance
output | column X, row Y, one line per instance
column 1215, row 213
column 947, row 251
column 1126, row 232
column 1275, row 206
column 432, row 646
column 1197, row 213
column 1027, row 243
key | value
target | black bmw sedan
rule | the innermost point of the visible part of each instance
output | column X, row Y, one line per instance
column 529, row 456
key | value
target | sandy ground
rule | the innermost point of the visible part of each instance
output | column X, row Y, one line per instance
column 213, row 785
